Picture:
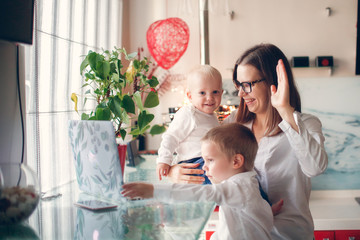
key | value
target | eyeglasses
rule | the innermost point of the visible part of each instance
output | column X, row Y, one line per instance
column 247, row 86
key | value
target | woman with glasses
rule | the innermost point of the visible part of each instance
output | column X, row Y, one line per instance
column 291, row 143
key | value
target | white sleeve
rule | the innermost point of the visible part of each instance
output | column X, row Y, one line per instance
column 308, row 144
column 187, row 192
column 226, row 193
column 181, row 127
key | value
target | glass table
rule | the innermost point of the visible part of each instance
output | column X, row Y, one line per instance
column 56, row 217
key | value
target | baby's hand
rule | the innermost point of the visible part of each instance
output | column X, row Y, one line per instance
column 162, row 169
column 138, row 189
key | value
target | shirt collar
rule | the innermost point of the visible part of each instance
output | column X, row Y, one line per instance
column 248, row 174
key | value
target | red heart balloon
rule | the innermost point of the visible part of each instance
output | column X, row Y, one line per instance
column 167, row 41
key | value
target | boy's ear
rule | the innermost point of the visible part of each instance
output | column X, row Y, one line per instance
column 238, row 161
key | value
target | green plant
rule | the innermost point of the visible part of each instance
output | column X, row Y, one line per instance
column 121, row 97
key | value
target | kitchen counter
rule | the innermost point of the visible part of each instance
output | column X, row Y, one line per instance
column 335, row 209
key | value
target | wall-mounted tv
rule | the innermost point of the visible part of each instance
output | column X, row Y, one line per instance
column 16, row 20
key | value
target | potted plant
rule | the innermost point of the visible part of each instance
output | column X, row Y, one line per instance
column 121, row 96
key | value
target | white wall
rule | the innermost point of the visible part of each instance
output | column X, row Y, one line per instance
column 299, row 28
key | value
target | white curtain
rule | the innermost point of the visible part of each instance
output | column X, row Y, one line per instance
column 64, row 31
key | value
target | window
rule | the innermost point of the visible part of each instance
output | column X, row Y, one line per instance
column 64, row 31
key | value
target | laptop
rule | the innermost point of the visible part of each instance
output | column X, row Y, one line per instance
column 96, row 158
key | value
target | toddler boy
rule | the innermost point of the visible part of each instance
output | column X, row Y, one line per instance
column 229, row 152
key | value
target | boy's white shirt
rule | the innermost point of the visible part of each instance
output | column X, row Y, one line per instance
column 285, row 163
column 243, row 213
column 184, row 134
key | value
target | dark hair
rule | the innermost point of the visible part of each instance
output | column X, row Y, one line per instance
column 232, row 139
column 265, row 57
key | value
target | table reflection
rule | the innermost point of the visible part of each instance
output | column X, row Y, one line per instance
column 59, row 218
column 143, row 220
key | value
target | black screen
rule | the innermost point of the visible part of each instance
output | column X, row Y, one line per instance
column 16, row 20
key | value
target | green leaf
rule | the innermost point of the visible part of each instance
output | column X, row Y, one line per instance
column 90, row 76
column 142, row 131
column 119, row 66
column 103, row 69
column 144, row 119
column 113, row 69
column 84, row 64
column 125, row 117
column 136, row 64
column 152, row 100
column 128, row 104
column 137, row 99
column 105, row 90
column 135, row 132
column 115, row 106
column 157, row 129
column 84, row 116
column 115, row 77
column 153, row 82
column 115, row 54
column 92, row 59
column 122, row 133
column 97, row 91
column 102, row 112
column 143, row 63
column 121, row 50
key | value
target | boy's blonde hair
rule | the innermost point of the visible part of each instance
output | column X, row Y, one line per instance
column 232, row 139
column 203, row 70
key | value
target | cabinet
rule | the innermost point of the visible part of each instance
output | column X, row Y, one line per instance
column 347, row 234
column 337, row 235
column 324, row 235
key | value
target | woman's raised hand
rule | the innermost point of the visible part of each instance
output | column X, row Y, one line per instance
column 182, row 173
column 280, row 97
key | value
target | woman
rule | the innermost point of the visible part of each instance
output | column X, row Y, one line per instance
column 291, row 143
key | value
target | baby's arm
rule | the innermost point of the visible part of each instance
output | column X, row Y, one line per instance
column 138, row 189
column 179, row 129
column 162, row 169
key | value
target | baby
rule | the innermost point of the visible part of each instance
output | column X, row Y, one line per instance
column 191, row 122
column 229, row 152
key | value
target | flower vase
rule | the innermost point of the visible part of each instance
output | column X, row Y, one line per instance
column 19, row 193
column 122, row 156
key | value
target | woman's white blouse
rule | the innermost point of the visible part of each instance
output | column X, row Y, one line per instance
column 285, row 163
